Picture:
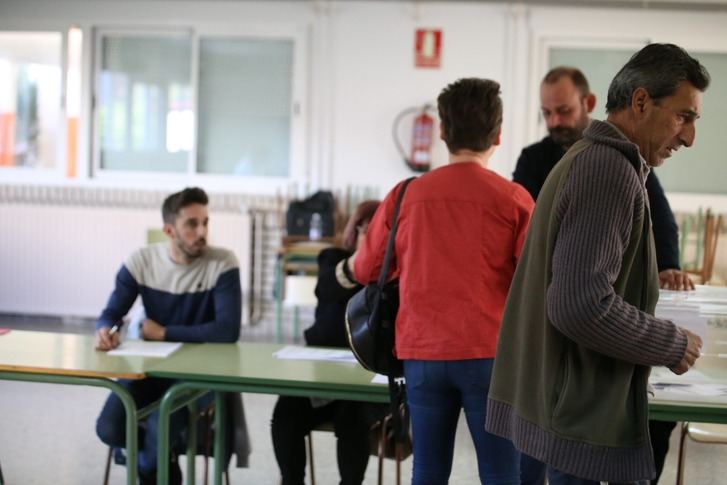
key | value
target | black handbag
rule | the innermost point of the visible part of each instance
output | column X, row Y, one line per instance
column 371, row 314
column 370, row 327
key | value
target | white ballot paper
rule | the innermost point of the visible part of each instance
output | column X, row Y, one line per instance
column 293, row 352
column 145, row 348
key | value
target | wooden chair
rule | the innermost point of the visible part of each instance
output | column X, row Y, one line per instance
column 707, row 238
column 701, row 433
column 380, row 448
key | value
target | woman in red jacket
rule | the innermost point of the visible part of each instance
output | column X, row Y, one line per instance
column 460, row 231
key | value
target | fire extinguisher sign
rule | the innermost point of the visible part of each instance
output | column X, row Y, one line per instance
column 428, row 48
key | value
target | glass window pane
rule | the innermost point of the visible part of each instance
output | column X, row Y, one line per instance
column 73, row 99
column 699, row 169
column 598, row 65
column 144, row 98
column 30, row 98
column 245, row 96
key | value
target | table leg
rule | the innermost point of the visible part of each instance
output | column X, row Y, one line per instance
column 220, row 428
column 127, row 400
column 191, row 442
column 172, row 400
column 296, row 324
column 279, row 286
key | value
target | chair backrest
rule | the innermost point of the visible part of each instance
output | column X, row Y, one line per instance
column 707, row 228
column 300, row 290
column 712, row 228
column 155, row 235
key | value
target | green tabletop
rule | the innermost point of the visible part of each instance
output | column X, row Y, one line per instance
column 253, row 366
column 64, row 354
column 71, row 359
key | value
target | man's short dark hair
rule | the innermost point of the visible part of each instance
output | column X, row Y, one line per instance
column 470, row 110
column 575, row 75
column 659, row 69
column 178, row 200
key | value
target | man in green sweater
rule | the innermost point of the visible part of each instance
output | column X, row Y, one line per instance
column 569, row 385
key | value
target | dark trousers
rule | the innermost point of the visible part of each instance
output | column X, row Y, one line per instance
column 660, row 432
column 533, row 471
column 559, row 478
column 295, row 417
column 111, row 423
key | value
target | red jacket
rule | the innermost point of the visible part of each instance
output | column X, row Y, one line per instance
column 461, row 228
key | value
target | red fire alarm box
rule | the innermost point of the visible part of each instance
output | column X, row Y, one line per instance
column 428, row 48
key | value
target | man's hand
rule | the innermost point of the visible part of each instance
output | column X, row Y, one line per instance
column 104, row 341
column 151, row 330
column 674, row 279
column 691, row 354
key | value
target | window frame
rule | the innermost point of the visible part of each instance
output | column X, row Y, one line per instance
column 679, row 200
column 16, row 174
column 298, row 164
column 541, row 65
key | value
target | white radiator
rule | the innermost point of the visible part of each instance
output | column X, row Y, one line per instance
column 62, row 259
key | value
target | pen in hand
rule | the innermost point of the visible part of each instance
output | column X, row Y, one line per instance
column 113, row 330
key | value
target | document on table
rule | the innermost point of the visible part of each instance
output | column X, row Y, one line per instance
column 693, row 383
column 692, row 389
column 701, row 294
column 685, row 316
column 294, row 352
column 145, row 348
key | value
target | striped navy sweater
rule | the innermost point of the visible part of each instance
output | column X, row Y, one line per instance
column 197, row 302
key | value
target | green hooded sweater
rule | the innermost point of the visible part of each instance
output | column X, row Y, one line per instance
column 578, row 337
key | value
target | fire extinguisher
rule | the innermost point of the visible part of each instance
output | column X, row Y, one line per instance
column 421, row 142
column 422, row 138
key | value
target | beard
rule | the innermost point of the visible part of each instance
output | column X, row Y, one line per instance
column 566, row 136
column 194, row 250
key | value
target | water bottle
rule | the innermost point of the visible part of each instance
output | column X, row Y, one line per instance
column 316, row 227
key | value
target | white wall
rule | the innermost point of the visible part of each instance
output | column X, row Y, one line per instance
column 359, row 62
column 359, row 66
column 694, row 30
column 62, row 259
column 375, row 77
column 359, row 74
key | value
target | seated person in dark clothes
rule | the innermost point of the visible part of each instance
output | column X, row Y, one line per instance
column 295, row 417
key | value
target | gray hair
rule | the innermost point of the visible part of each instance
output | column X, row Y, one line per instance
column 659, row 69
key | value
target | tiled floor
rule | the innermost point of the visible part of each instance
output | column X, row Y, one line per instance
column 47, row 437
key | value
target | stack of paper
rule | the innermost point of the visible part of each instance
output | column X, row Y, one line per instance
column 693, row 309
column 293, row 352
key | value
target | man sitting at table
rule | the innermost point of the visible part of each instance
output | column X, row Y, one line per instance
column 191, row 293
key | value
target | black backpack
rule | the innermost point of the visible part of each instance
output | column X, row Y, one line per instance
column 300, row 213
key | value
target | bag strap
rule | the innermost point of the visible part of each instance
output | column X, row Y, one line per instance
column 397, row 390
column 392, row 235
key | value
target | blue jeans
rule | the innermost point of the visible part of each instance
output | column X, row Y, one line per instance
column 436, row 392
column 532, row 471
column 111, row 423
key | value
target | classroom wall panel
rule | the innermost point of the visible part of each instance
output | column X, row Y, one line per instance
column 61, row 260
